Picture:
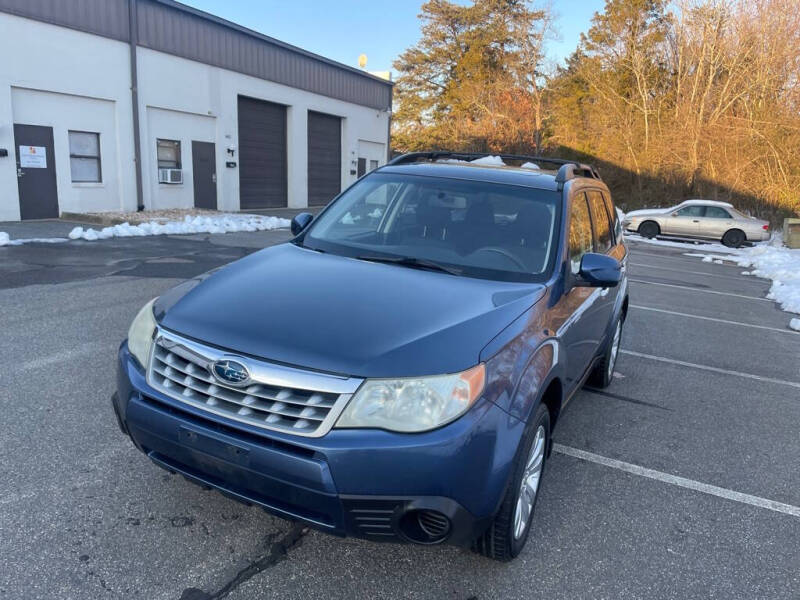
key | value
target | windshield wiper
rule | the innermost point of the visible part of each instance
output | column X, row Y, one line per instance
column 414, row 263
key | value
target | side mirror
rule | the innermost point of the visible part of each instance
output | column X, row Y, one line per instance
column 599, row 270
column 300, row 222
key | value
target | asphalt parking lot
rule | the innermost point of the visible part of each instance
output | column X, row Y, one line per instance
column 679, row 481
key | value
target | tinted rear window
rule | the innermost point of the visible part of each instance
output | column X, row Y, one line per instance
column 600, row 219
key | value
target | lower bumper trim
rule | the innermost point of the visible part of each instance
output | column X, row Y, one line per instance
column 210, row 482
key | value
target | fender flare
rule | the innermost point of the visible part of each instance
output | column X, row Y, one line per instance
column 522, row 406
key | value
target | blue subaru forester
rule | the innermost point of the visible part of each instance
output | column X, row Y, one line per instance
column 396, row 370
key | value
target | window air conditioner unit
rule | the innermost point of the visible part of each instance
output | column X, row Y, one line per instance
column 170, row 176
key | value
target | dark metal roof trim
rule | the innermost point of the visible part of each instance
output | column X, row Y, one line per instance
column 270, row 40
column 173, row 28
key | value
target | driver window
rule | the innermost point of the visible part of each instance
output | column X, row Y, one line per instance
column 580, row 232
column 691, row 211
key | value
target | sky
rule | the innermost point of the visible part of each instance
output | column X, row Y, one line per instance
column 381, row 29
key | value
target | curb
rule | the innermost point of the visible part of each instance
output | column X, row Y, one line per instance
column 93, row 219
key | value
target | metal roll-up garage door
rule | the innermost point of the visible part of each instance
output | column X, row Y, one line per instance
column 324, row 158
column 262, row 154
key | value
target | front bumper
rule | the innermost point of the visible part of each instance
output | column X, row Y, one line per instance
column 360, row 482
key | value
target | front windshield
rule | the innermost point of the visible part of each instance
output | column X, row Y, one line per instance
column 479, row 229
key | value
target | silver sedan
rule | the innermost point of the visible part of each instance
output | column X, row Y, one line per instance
column 699, row 219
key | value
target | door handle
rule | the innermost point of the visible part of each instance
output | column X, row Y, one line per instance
column 695, row 221
column 213, row 178
column 20, row 172
column 604, row 291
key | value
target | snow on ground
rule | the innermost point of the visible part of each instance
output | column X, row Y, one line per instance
column 770, row 260
column 778, row 263
column 197, row 224
column 189, row 225
column 714, row 247
column 5, row 240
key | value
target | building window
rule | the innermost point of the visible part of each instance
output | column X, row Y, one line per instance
column 169, row 154
column 84, row 157
column 373, row 164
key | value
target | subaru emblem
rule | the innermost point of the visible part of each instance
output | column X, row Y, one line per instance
column 230, row 371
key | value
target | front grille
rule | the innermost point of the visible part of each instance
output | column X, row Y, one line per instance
column 181, row 369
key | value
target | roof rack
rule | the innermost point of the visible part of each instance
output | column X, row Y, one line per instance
column 567, row 169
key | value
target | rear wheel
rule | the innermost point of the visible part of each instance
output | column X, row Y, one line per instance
column 649, row 229
column 734, row 238
column 506, row 536
column 603, row 373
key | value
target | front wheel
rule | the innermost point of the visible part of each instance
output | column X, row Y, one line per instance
column 506, row 536
column 603, row 373
column 649, row 229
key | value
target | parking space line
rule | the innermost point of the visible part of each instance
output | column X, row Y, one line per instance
column 683, row 482
column 680, row 314
column 63, row 356
column 694, row 289
column 683, row 363
column 736, row 277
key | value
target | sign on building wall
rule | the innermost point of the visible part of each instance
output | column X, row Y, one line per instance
column 32, row 157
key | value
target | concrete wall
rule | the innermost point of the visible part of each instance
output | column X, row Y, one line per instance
column 163, row 81
column 73, row 80
column 55, row 76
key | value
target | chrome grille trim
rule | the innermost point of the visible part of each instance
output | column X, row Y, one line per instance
column 276, row 397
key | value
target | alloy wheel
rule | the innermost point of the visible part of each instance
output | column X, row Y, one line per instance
column 530, row 483
column 612, row 360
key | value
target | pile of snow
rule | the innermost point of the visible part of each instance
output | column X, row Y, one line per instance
column 196, row 224
column 189, row 225
column 770, row 260
column 778, row 263
column 489, row 161
column 5, row 240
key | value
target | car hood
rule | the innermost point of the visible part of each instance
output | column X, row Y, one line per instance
column 647, row 212
column 341, row 315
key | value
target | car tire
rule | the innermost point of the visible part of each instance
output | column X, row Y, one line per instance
column 649, row 229
column 506, row 536
column 734, row 238
column 603, row 373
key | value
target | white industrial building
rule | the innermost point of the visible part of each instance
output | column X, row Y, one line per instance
column 109, row 105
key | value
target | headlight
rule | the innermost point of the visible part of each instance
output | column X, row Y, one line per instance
column 413, row 404
column 140, row 335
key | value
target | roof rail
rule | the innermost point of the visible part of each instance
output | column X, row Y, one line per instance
column 567, row 169
column 571, row 170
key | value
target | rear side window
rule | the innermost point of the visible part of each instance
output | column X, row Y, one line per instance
column 615, row 222
column 715, row 212
column 580, row 231
column 602, row 225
